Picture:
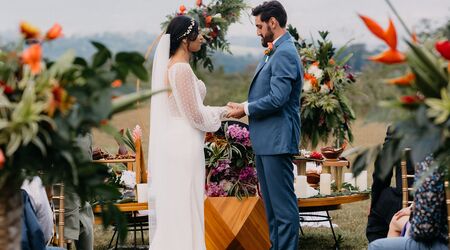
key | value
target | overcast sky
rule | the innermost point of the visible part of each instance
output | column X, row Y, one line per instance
column 80, row 17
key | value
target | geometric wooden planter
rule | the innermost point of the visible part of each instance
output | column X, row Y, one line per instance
column 234, row 224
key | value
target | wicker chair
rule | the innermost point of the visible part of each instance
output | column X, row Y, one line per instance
column 405, row 188
column 58, row 238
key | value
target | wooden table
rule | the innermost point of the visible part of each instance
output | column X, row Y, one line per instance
column 329, row 166
column 308, row 205
column 125, row 207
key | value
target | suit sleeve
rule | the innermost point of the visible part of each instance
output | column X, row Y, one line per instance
column 284, row 73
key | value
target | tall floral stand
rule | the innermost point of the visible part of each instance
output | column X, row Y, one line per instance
column 235, row 224
column 10, row 218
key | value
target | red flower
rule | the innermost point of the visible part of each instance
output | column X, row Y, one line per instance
column 316, row 155
column 32, row 57
column 6, row 88
column 443, row 47
column 410, row 99
column 199, row 3
column 2, row 159
column 54, row 32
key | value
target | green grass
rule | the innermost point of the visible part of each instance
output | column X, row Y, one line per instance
column 351, row 220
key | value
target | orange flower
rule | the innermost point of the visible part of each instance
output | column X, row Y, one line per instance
column 315, row 64
column 391, row 36
column 2, row 159
column 182, row 9
column 208, row 20
column 414, row 37
column 331, row 61
column 389, row 57
column 117, row 83
column 199, row 3
column 311, row 78
column 269, row 49
column 60, row 99
column 54, row 32
column 330, row 85
column 32, row 57
column 29, row 31
column 374, row 27
column 405, row 80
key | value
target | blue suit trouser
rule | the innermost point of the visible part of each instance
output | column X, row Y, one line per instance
column 276, row 180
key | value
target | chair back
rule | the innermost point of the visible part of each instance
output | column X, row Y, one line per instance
column 405, row 188
column 447, row 201
column 59, row 213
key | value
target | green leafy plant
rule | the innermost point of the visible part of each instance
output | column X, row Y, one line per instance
column 214, row 20
column 325, row 110
column 46, row 107
column 425, row 125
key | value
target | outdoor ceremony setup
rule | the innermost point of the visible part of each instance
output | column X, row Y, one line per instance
column 77, row 125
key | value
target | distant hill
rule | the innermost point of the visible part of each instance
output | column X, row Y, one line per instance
column 247, row 51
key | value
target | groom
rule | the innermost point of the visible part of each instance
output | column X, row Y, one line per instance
column 274, row 121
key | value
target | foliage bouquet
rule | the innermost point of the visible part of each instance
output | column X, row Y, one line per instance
column 325, row 110
column 230, row 162
column 214, row 20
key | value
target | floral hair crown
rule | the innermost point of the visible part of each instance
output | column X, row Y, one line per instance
column 189, row 29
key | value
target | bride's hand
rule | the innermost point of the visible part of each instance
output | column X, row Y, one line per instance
column 226, row 112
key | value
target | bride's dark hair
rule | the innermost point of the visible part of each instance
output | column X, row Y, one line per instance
column 181, row 27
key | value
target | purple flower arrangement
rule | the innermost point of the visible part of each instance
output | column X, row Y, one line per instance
column 230, row 162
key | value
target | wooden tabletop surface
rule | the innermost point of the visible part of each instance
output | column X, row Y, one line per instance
column 332, row 201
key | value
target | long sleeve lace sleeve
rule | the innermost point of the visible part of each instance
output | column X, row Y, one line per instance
column 188, row 100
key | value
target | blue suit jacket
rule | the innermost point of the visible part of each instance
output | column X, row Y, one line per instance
column 274, row 101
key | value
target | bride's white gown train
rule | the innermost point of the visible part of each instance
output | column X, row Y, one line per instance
column 179, row 186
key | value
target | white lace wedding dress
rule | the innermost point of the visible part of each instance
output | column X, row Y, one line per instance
column 178, row 187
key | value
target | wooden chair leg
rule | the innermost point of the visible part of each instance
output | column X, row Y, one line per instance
column 447, row 200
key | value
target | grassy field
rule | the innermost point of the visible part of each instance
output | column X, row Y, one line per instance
column 351, row 219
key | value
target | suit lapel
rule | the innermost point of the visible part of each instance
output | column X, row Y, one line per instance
column 258, row 69
column 261, row 65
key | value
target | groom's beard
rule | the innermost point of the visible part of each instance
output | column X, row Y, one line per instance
column 267, row 39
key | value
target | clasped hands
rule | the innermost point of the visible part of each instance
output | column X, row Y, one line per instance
column 235, row 110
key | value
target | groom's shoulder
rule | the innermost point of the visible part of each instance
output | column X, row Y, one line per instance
column 287, row 48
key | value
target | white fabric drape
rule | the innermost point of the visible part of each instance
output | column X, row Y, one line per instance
column 159, row 115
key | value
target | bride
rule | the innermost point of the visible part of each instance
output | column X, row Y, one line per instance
column 178, row 123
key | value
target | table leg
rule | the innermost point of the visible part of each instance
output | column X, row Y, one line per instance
column 332, row 230
column 135, row 229
column 338, row 179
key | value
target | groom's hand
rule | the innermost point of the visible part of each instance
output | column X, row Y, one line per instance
column 237, row 110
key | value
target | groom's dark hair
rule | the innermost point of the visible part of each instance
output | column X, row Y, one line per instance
column 271, row 9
